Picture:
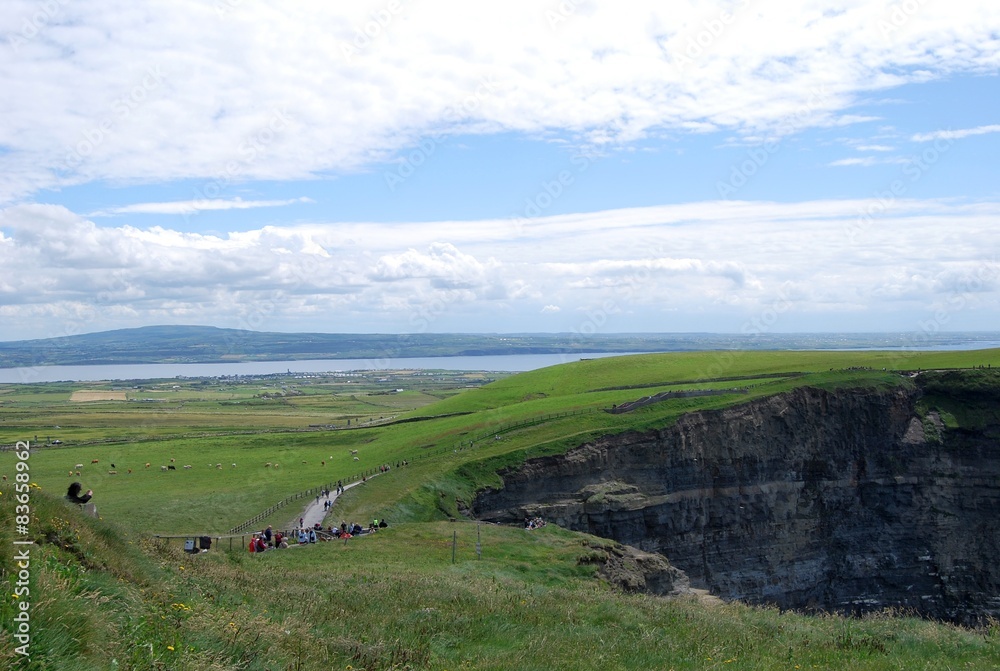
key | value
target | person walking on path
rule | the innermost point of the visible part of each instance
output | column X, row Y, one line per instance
column 315, row 513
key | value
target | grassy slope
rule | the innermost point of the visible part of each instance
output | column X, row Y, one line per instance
column 216, row 500
column 396, row 598
column 105, row 599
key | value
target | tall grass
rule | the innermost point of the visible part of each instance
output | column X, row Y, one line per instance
column 107, row 600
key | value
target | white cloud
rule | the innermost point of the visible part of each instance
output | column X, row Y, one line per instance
column 956, row 134
column 193, row 206
column 833, row 264
column 874, row 147
column 228, row 92
column 866, row 161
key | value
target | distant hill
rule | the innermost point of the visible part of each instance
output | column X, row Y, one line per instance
column 208, row 344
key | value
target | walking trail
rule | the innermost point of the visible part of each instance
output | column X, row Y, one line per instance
column 315, row 512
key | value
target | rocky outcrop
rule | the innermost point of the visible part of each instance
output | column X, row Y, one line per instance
column 845, row 501
column 632, row 570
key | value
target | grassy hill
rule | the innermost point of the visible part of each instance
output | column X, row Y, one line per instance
column 106, row 595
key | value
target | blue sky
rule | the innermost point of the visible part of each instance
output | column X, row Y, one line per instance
column 517, row 167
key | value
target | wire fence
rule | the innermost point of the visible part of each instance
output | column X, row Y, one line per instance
column 467, row 442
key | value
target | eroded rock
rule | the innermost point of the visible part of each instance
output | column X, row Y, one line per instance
column 808, row 500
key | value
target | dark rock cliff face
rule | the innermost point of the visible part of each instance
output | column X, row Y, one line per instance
column 808, row 500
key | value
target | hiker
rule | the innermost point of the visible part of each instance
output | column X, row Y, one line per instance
column 268, row 533
column 73, row 494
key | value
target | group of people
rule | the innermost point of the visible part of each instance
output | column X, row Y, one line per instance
column 533, row 522
column 269, row 539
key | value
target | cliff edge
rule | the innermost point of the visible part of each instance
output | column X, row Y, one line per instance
column 850, row 501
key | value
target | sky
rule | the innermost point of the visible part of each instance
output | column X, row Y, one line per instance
column 578, row 166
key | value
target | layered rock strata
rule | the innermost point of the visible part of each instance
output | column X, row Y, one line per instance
column 844, row 501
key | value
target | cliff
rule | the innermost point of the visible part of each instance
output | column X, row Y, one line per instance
column 849, row 501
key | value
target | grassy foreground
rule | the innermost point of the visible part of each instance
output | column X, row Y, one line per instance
column 103, row 598
column 105, row 595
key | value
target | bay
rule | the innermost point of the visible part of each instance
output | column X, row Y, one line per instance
column 151, row 371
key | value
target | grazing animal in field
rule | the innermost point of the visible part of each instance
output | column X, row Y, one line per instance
column 171, row 460
column 112, row 472
column 187, row 467
column 5, row 478
column 78, row 472
column 355, row 459
column 130, row 471
column 171, row 468
column 305, row 462
column 113, row 466
column 234, row 465
column 322, row 463
column 78, row 466
column 163, row 468
column 71, row 474
column 354, row 451
column 219, row 466
column 147, row 464
column 267, row 465
column 277, row 465
column 95, row 461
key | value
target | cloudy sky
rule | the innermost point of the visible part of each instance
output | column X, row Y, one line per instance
column 525, row 166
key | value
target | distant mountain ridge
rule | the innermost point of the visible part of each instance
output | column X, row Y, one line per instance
column 209, row 344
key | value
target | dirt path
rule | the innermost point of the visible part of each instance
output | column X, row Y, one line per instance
column 315, row 512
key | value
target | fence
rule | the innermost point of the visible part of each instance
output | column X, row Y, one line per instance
column 460, row 446
column 309, row 493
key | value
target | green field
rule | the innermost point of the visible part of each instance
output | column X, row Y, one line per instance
column 396, row 600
